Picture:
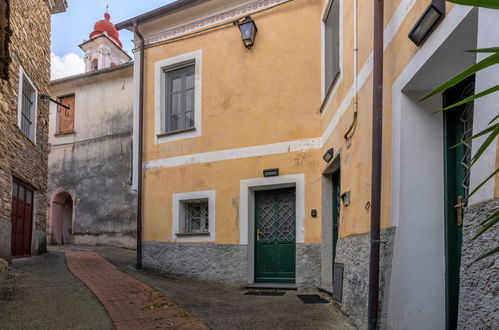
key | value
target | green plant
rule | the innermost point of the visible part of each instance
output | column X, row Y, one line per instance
column 492, row 131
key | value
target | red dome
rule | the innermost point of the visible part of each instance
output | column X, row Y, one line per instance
column 106, row 26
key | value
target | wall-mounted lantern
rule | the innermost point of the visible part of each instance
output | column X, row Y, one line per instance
column 328, row 155
column 430, row 18
column 248, row 31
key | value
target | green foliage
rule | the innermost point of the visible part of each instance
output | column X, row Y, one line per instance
column 493, row 4
column 493, row 130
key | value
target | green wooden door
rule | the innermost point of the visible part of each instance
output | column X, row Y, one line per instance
column 458, row 126
column 275, row 236
column 336, row 210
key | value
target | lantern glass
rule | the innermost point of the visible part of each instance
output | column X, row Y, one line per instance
column 248, row 31
column 425, row 24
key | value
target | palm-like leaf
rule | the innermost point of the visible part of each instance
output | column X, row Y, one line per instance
column 485, row 63
column 488, row 254
column 485, row 145
column 472, row 98
column 493, row 4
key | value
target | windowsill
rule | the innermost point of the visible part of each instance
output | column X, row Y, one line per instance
column 207, row 233
column 64, row 133
column 176, row 132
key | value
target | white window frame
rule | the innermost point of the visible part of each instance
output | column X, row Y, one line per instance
column 337, row 82
column 195, row 58
column 178, row 216
column 22, row 75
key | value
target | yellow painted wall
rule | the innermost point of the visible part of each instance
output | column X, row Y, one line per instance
column 224, row 177
column 272, row 93
column 249, row 98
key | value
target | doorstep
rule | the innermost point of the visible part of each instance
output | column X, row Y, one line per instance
column 282, row 286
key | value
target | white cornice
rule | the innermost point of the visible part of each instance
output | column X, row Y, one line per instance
column 222, row 16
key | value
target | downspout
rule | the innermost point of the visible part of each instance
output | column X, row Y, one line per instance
column 351, row 129
column 140, row 142
column 373, row 299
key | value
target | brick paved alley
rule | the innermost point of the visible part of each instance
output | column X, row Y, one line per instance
column 130, row 303
column 99, row 288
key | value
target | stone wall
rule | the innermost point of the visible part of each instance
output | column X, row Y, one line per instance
column 97, row 175
column 214, row 262
column 479, row 289
column 227, row 263
column 353, row 252
column 19, row 157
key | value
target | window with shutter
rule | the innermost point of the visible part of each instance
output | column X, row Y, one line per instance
column 65, row 117
column 27, row 106
column 180, row 97
column 332, row 44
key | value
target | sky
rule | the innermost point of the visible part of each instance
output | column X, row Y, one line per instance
column 70, row 28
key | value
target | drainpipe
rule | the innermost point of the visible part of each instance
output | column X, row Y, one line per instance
column 376, row 165
column 141, row 120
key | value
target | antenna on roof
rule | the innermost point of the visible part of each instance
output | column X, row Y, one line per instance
column 107, row 8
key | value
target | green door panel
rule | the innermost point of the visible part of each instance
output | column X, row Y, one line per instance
column 458, row 124
column 275, row 236
column 336, row 210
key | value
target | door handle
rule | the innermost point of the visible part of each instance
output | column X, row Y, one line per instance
column 258, row 232
column 459, row 210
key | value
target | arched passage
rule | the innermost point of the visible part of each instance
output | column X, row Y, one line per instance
column 62, row 218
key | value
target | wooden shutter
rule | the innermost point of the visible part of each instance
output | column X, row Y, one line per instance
column 5, row 34
column 66, row 117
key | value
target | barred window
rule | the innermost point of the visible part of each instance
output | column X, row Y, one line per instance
column 27, row 106
column 5, row 33
column 196, row 216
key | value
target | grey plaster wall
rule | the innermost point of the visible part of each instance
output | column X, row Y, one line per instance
column 353, row 252
column 224, row 262
column 479, row 289
column 94, row 163
column 215, row 262
column 308, row 265
column 97, row 174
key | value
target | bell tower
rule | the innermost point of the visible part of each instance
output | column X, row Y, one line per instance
column 104, row 48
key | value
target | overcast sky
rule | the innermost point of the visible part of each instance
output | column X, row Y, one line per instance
column 70, row 28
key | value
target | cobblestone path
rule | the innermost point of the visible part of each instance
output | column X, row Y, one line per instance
column 130, row 303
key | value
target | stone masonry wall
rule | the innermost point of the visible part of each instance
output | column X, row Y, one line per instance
column 19, row 157
column 479, row 289
column 353, row 252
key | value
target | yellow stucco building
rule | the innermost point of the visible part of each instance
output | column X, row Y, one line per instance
column 237, row 183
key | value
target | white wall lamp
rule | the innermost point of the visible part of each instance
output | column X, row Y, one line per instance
column 428, row 21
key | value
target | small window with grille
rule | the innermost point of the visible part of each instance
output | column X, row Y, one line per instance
column 195, row 216
column 27, row 103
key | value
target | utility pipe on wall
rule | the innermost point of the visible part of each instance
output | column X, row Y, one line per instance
column 376, row 165
column 140, row 143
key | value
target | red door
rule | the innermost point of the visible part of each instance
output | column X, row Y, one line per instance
column 21, row 217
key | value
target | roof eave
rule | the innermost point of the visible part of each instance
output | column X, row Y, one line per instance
column 150, row 15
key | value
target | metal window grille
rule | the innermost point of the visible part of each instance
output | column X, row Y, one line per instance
column 196, row 216
column 467, row 119
column 27, row 108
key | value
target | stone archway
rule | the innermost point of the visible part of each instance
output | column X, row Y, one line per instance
column 62, row 219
